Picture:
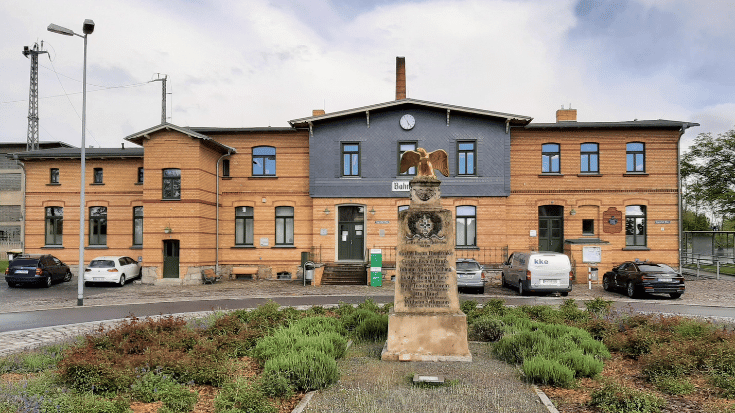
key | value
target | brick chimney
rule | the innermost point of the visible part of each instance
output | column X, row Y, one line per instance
column 400, row 78
column 566, row 115
column 317, row 112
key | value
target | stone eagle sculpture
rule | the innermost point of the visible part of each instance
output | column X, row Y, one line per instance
column 424, row 162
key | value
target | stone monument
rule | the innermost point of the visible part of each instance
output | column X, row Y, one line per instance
column 426, row 323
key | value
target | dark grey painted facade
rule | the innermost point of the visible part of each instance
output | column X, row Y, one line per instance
column 379, row 152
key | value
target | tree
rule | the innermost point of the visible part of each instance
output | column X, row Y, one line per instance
column 708, row 170
column 693, row 221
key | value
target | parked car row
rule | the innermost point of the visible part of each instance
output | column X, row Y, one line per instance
column 46, row 269
column 547, row 272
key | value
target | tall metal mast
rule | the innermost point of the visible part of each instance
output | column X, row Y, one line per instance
column 163, row 95
column 32, row 142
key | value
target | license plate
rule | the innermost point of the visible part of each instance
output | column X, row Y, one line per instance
column 550, row 282
column 464, row 275
column 665, row 280
column 97, row 278
column 21, row 271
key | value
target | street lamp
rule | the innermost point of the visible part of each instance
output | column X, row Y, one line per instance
column 87, row 28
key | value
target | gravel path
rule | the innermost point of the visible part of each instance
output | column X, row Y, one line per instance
column 369, row 385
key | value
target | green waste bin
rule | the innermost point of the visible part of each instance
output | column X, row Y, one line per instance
column 376, row 267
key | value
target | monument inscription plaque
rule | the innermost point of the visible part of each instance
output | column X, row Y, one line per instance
column 426, row 323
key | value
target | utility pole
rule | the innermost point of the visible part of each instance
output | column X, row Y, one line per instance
column 163, row 94
column 32, row 142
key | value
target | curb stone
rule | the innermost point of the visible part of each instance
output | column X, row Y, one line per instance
column 545, row 399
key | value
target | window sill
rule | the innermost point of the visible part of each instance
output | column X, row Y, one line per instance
column 284, row 246
column 466, row 176
column 52, row 247
column 136, row 247
column 589, row 174
column 97, row 183
column 170, row 199
column 243, row 247
column 468, row 247
column 634, row 248
column 635, row 174
column 96, row 247
column 53, row 184
column 550, row 175
column 139, row 183
column 351, row 177
column 226, row 178
column 262, row 177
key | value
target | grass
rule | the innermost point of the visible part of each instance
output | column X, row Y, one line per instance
column 724, row 269
column 3, row 266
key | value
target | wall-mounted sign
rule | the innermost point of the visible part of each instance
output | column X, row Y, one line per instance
column 592, row 254
column 663, row 221
column 400, row 186
column 264, row 242
column 323, row 231
column 532, row 233
column 612, row 221
column 382, row 222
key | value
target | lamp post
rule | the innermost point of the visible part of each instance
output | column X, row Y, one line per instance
column 87, row 28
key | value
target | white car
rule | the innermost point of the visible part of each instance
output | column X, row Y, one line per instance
column 112, row 270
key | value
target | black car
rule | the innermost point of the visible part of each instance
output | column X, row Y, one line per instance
column 36, row 269
column 644, row 277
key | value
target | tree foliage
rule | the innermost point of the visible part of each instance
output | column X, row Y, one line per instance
column 708, row 169
column 693, row 221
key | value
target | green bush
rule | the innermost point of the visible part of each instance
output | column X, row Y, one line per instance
column 726, row 383
column 487, row 328
column 32, row 362
column 351, row 320
column 570, row 312
column 615, row 398
column 374, row 328
column 516, row 348
column 495, row 307
column 583, row 365
column 633, row 343
column 155, row 385
column 468, row 306
column 673, row 385
column 542, row 313
column 241, row 396
column 274, row 384
column 305, row 370
column 544, row 371
column 690, row 329
column 370, row 305
column 599, row 307
column 317, row 325
column 289, row 339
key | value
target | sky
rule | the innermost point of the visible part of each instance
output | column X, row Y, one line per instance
column 255, row 63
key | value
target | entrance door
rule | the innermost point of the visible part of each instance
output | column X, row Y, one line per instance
column 171, row 258
column 551, row 228
column 351, row 233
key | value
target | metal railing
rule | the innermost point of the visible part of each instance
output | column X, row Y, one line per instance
column 706, row 266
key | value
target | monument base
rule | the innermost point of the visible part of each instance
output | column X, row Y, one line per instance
column 427, row 337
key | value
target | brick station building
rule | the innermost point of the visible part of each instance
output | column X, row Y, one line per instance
column 262, row 200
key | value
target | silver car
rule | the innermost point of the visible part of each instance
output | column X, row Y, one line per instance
column 470, row 274
column 112, row 270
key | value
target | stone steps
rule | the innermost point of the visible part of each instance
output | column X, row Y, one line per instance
column 344, row 274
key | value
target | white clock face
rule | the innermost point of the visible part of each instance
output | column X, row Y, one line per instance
column 407, row 122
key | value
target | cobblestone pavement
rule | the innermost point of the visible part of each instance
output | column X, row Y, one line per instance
column 707, row 292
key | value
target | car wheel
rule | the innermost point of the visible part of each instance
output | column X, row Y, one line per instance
column 502, row 281
column 48, row 282
column 675, row 295
column 87, row 283
column 67, row 277
column 481, row 290
column 521, row 290
column 606, row 284
column 564, row 293
column 632, row 293
column 11, row 285
column 121, row 281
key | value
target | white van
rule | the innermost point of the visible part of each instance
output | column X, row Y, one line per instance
column 542, row 272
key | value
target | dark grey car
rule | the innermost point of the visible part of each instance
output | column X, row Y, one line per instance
column 36, row 269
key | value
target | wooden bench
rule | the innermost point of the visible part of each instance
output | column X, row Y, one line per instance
column 250, row 270
column 210, row 277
